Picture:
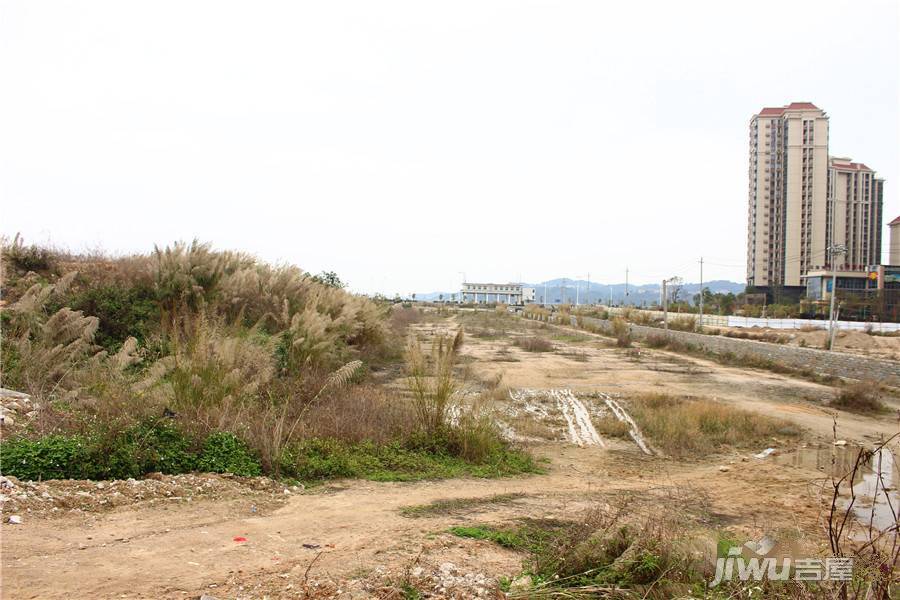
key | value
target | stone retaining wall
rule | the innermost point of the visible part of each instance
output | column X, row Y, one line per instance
column 824, row 362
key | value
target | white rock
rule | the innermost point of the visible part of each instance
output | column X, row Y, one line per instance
column 14, row 520
column 765, row 453
column 724, row 469
column 7, row 421
column 840, row 443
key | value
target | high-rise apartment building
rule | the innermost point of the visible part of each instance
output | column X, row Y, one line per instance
column 788, row 188
column 856, row 197
column 794, row 186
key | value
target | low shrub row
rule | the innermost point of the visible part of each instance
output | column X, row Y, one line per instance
column 143, row 449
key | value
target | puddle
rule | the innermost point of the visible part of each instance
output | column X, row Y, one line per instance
column 874, row 505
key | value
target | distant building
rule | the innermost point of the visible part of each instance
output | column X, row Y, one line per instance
column 801, row 202
column 894, row 253
column 855, row 196
column 871, row 294
column 490, row 293
column 787, row 196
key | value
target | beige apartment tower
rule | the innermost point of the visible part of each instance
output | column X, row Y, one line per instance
column 788, row 189
column 794, row 188
column 894, row 252
column 856, row 197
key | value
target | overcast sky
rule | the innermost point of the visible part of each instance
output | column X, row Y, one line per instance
column 401, row 143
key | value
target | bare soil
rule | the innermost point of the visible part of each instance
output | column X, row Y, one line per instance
column 236, row 538
column 852, row 342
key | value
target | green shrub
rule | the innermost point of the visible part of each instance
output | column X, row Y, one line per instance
column 224, row 452
column 52, row 457
column 417, row 458
column 131, row 453
column 123, row 312
column 29, row 258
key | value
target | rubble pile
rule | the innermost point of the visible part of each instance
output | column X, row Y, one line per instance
column 16, row 408
column 67, row 495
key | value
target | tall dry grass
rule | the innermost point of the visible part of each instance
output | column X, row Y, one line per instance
column 431, row 381
column 694, row 426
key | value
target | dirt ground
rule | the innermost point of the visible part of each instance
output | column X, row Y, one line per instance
column 852, row 342
column 232, row 538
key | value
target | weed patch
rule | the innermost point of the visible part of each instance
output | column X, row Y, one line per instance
column 455, row 506
column 695, row 426
column 862, row 397
column 321, row 459
column 533, row 344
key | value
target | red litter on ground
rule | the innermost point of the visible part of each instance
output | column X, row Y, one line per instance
column 240, row 539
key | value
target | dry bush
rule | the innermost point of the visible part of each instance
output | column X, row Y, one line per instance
column 43, row 352
column 761, row 336
column 360, row 413
column 430, row 380
column 875, row 551
column 657, row 340
column 212, row 376
column 536, row 312
column 621, row 331
column 612, row 427
column 533, row 344
column 686, row 426
column 862, row 397
column 401, row 318
column 683, row 323
column 638, row 317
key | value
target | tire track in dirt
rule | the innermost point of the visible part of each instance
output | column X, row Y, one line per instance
column 623, row 416
column 578, row 419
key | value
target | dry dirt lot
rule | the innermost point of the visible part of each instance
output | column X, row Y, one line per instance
column 232, row 538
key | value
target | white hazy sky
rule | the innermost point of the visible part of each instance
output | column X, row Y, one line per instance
column 400, row 143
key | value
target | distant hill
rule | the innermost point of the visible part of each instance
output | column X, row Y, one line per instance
column 561, row 291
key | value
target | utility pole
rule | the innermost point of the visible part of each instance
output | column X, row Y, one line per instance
column 545, row 295
column 577, row 287
column 834, row 250
column 626, row 282
column 700, row 322
column 665, row 306
column 665, row 299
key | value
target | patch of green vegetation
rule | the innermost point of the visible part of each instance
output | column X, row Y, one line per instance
column 146, row 448
column 321, row 459
column 123, row 312
column 457, row 505
column 224, row 452
column 504, row 537
column 410, row 592
column 567, row 558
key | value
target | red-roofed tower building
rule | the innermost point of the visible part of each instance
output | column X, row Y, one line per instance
column 855, row 206
column 787, row 197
